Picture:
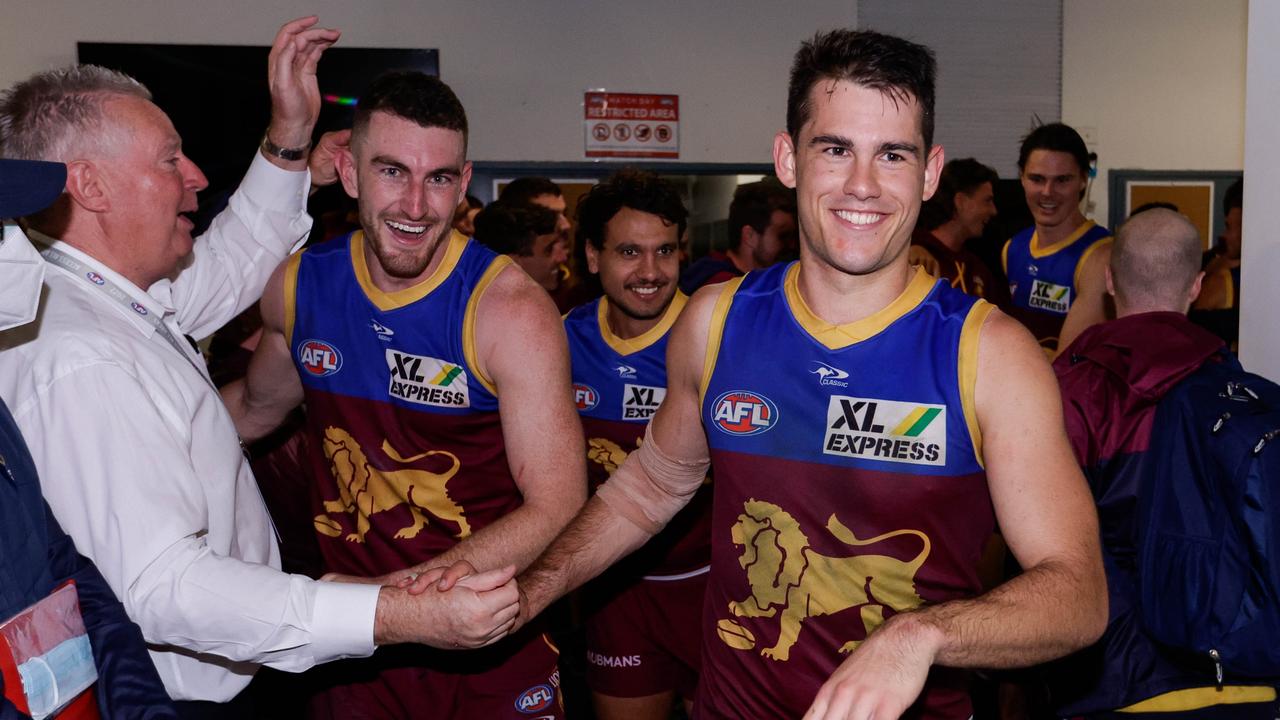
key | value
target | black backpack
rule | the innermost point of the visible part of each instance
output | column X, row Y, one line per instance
column 1209, row 536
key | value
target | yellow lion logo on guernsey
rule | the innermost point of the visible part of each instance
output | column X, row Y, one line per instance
column 790, row 580
column 607, row 453
column 366, row 490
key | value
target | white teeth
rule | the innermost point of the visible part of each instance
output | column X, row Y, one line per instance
column 858, row 218
column 645, row 290
column 415, row 229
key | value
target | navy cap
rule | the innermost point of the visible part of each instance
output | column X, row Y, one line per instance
column 28, row 186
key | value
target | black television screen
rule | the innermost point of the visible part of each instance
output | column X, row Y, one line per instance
column 217, row 95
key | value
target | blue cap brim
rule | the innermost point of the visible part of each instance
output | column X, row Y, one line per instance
column 28, row 186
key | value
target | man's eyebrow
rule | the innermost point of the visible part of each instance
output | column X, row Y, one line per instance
column 386, row 160
column 452, row 170
column 837, row 140
column 907, row 148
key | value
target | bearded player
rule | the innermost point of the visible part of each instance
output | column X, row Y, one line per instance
column 436, row 381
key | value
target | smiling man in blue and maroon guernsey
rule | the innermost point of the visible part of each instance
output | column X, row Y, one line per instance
column 867, row 427
column 436, row 378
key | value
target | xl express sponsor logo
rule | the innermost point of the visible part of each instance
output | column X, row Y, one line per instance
column 427, row 380
column 1050, row 296
column 640, row 402
column 886, row 430
column 742, row 412
column 318, row 358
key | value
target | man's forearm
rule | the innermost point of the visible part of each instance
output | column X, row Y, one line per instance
column 597, row 538
column 1049, row 611
column 253, row 421
column 516, row 538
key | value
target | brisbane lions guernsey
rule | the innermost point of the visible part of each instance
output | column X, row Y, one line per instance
column 1044, row 283
column 849, row 486
column 618, row 385
column 406, row 440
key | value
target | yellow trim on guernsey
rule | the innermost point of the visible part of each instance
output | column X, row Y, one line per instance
column 1004, row 255
column 836, row 337
column 715, row 332
column 291, row 295
column 967, row 365
column 469, row 351
column 392, row 300
column 1202, row 697
column 1038, row 252
column 550, row 644
column 626, row 346
column 1084, row 257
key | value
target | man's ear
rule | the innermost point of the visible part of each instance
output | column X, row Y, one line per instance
column 1111, row 283
column 748, row 237
column 593, row 258
column 1196, row 285
column 87, row 187
column 345, row 162
column 784, row 158
column 933, row 170
column 464, row 182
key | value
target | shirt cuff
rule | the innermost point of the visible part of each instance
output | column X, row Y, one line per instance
column 269, row 186
column 342, row 622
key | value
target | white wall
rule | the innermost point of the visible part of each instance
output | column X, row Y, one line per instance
column 520, row 68
column 1260, row 294
column 1160, row 84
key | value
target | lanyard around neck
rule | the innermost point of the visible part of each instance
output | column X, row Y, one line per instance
column 96, row 279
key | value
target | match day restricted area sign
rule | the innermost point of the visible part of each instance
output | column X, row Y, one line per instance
column 632, row 125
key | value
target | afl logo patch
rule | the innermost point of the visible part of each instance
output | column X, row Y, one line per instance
column 535, row 699
column 318, row 358
column 741, row 412
column 138, row 308
column 585, row 397
column 95, row 278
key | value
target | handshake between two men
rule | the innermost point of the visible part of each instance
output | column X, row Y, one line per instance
column 444, row 607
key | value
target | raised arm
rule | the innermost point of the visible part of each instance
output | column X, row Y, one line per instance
column 651, row 485
column 1057, row 605
column 259, row 402
column 266, row 217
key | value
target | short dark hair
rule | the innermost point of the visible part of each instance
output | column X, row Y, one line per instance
column 511, row 229
column 1059, row 138
column 1234, row 197
column 753, row 206
column 965, row 175
column 473, row 202
column 636, row 189
column 522, row 191
column 414, row 96
column 899, row 68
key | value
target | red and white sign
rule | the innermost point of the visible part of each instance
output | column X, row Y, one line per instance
column 632, row 125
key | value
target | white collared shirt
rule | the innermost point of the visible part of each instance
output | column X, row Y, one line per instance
column 140, row 461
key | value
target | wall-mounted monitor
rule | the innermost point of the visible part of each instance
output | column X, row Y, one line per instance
column 218, row 99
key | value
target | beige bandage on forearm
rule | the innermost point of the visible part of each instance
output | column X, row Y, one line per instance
column 650, row 487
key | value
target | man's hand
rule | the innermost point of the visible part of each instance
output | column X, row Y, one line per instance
column 321, row 163
column 442, row 577
column 480, row 610
column 883, row 676
column 291, row 76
